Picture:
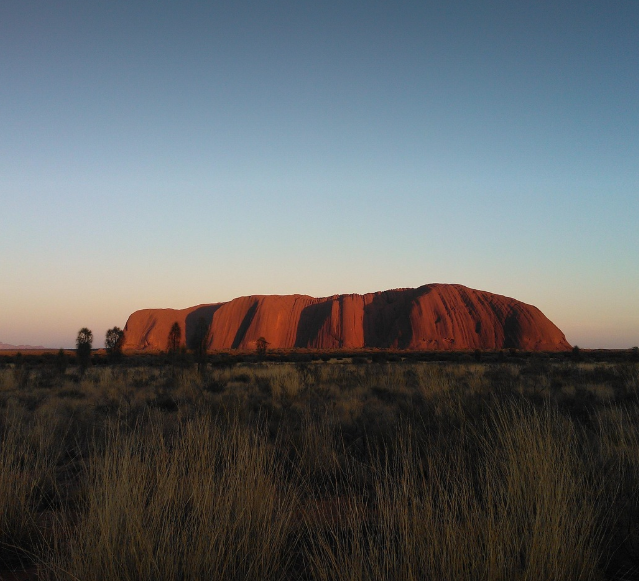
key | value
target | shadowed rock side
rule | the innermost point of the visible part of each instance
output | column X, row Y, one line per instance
column 431, row 317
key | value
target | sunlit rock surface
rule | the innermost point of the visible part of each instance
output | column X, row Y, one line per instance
column 431, row 317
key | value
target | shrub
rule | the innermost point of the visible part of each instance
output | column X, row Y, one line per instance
column 260, row 345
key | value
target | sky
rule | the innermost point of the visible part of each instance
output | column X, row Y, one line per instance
column 168, row 154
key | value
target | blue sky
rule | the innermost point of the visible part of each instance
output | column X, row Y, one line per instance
column 166, row 154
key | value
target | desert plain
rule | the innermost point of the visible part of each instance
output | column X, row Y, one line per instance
column 320, row 464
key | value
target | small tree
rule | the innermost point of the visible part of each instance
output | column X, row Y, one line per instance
column 199, row 342
column 174, row 339
column 113, row 342
column 261, row 344
column 83, row 348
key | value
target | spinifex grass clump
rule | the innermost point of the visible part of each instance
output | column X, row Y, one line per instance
column 27, row 464
column 207, row 503
column 513, row 501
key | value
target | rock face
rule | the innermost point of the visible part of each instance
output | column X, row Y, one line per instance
column 431, row 317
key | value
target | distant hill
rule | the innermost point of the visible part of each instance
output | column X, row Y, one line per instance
column 431, row 317
column 25, row 347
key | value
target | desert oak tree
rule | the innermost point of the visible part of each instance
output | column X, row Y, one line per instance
column 83, row 346
column 113, row 342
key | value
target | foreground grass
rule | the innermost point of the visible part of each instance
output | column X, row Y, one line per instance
column 515, row 501
column 206, row 503
column 328, row 471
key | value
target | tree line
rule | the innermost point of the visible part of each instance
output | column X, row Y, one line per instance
column 198, row 343
column 113, row 341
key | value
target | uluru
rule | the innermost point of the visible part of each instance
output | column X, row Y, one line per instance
column 430, row 317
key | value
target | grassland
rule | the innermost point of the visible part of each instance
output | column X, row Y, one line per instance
column 486, row 466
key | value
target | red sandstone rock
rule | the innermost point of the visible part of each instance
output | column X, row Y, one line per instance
column 431, row 317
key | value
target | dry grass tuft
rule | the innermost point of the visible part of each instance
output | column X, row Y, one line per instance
column 511, row 502
column 28, row 457
column 206, row 503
